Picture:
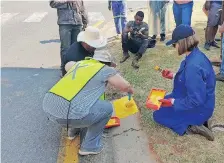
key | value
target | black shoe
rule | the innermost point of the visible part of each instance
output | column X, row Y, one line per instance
column 207, row 46
column 134, row 63
column 219, row 77
column 208, row 124
column 218, row 39
column 214, row 44
column 124, row 58
column 162, row 37
column 202, row 130
column 153, row 37
column 217, row 64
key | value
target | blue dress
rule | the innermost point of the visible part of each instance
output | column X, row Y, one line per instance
column 194, row 94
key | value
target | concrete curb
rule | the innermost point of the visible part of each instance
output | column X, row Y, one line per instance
column 131, row 144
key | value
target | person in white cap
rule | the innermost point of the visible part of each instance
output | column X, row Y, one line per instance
column 87, row 42
column 77, row 100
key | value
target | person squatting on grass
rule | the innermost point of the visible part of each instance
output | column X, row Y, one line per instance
column 191, row 104
column 77, row 100
column 138, row 41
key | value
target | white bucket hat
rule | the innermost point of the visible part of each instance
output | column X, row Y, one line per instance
column 92, row 37
column 69, row 65
column 103, row 56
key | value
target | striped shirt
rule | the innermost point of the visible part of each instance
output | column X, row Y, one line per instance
column 79, row 107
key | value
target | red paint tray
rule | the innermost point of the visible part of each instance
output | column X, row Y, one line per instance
column 154, row 96
column 113, row 122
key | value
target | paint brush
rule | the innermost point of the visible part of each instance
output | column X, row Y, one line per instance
column 158, row 68
column 129, row 103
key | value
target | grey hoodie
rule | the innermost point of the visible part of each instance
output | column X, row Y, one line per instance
column 70, row 12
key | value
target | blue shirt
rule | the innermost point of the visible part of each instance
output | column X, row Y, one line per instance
column 194, row 84
column 194, row 94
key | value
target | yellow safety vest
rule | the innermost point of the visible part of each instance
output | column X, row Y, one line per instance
column 76, row 78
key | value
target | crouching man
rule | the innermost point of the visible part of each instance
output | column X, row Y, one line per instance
column 137, row 43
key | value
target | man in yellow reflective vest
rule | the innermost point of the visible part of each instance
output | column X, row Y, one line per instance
column 75, row 101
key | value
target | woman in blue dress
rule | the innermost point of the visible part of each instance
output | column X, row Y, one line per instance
column 191, row 104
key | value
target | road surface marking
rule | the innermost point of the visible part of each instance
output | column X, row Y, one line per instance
column 6, row 16
column 95, row 17
column 36, row 17
column 68, row 150
column 98, row 23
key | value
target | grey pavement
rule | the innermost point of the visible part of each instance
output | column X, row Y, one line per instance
column 29, row 67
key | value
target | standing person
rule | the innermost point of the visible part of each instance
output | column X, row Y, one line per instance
column 182, row 10
column 119, row 9
column 214, row 19
column 77, row 100
column 72, row 18
column 191, row 104
column 220, row 75
column 158, row 10
column 138, row 41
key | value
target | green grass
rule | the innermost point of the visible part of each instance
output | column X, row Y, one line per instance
column 166, row 145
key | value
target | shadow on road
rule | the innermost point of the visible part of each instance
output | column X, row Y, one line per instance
column 50, row 41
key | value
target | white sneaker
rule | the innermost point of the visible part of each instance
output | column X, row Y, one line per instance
column 84, row 153
column 73, row 133
column 71, row 137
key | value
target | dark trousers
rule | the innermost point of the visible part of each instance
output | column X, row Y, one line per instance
column 68, row 35
column 136, row 47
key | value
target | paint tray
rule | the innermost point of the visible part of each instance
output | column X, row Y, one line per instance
column 113, row 122
column 155, row 95
column 120, row 107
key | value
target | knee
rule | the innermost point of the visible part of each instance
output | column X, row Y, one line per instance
column 155, row 116
column 145, row 42
column 124, row 37
column 109, row 109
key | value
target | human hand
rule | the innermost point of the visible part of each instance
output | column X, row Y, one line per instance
column 113, row 64
column 167, row 74
column 130, row 29
column 207, row 5
column 221, row 28
column 109, row 7
column 167, row 102
column 84, row 26
column 131, row 90
column 140, row 34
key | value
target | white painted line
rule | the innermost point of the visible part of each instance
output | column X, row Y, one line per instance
column 6, row 16
column 35, row 17
column 95, row 16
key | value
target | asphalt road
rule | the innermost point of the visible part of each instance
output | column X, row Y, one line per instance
column 29, row 65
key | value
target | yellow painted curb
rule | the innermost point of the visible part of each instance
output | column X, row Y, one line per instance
column 68, row 150
column 98, row 23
